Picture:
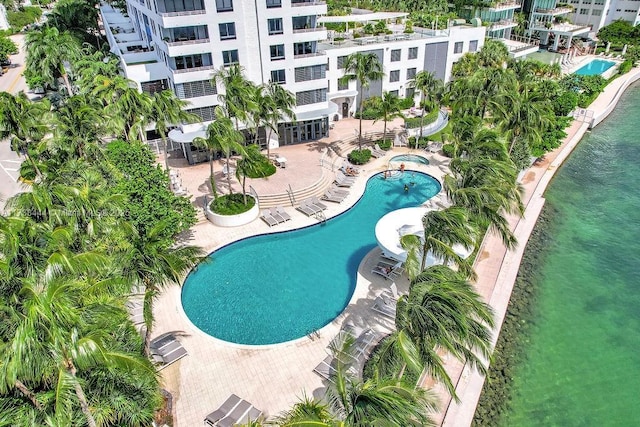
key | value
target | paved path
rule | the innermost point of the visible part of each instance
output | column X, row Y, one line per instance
column 497, row 268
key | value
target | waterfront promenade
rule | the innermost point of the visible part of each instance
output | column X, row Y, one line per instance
column 497, row 268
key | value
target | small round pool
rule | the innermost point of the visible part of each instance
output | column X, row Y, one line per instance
column 278, row 287
column 410, row 158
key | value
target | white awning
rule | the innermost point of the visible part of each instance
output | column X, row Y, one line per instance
column 327, row 111
column 365, row 17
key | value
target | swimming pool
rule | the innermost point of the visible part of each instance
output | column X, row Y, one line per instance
column 278, row 287
column 595, row 67
column 410, row 158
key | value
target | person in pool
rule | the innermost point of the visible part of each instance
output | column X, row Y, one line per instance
column 406, row 188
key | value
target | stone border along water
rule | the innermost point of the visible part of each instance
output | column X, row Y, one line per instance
column 469, row 383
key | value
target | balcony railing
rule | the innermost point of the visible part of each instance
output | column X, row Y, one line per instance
column 503, row 23
column 505, row 5
column 555, row 11
column 308, row 30
column 309, row 55
column 186, row 42
column 189, row 70
column 308, row 3
column 184, row 13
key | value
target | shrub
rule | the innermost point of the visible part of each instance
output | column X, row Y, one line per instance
column 261, row 167
column 359, row 157
column 23, row 17
column 414, row 122
column 385, row 144
column 448, row 150
column 625, row 67
column 231, row 204
column 412, row 142
column 406, row 103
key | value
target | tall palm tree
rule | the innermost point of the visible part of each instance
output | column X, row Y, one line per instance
column 221, row 137
column 307, row 412
column 23, row 121
column 166, row 110
column 441, row 311
column 493, row 54
column 123, row 103
column 363, row 68
column 442, row 230
column 390, row 108
column 431, row 89
column 49, row 51
column 283, row 103
column 149, row 262
column 237, row 100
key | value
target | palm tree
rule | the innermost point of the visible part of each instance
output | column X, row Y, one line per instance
column 79, row 125
column 493, row 54
column 441, row 311
column 221, row 136
column 247, row 165
column 362, row 68
column 442, row 230
column 282, row 102
column 48, row 51
column 167, row 109
column 237, row 101
column 390, row 108
column 123, row 103
column 149, row 262
column 23, row 121
column 431, row 90
column 307, row 412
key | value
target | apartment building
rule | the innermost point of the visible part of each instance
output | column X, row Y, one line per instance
column 547, row 22
column 177, row 44
column 600, row 13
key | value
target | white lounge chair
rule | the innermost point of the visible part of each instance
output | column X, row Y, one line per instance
column 388, row 271
column 330, row 196
column 308, row 210
column 385, row 307
column 318, row 203
column 275, row 215
column 283, row 213
column 266, row 217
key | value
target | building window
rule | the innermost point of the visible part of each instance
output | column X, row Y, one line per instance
column 278, row 76
column 341, row 62
column 227, row 31
column 413, row 53
column 596, row 12
column 224, row 5
column 277, row 52
column 394, row 76
column 154, row 86
column 473, row 45
column 195, row 89
column 274, row 3
column 275, row 26
column 457, row 48
column 410, row 93
column 311, row 96
column 395, row 55
column 393, row 93
column 584, row 11
column 313, row 72
column 411, row 73
column 343, row 85
column 303, row 48
column 230, row 57
column 207, row 114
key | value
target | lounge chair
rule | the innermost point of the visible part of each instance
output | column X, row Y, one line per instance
column 275, row 215
column 345, row 178
column 330, row 196
column 253, row 414
column 231, row 402
column 318, row 203
column 339, row 191
column 166, row 350
column 308, row 210
column 283, row 213
column 343, row 181
column 235, row 415
column 378, row 152
column 266, row 217
column 325, row 368
column 385, row 307
column 388, row 271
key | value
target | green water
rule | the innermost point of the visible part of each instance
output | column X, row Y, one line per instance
column 583, row 354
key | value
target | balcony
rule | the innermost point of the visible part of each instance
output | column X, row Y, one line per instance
column 183, row 13
column 296, row 3
column 505, row 5
column 179, row 42
column 309, row 55
column 554, row 11
column 193, row 69
column 308, row 30
column 502, row 24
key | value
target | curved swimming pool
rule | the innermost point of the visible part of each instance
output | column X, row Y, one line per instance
column 410, row 158
column 278, row 287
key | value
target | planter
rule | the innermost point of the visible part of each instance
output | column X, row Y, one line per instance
column 233, row 220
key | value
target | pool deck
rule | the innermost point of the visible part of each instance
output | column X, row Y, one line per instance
column 276, row 376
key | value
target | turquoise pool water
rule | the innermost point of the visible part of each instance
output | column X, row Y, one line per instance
column 595, row 67
column 410, row 158
column 278, row 287
column 583, row 354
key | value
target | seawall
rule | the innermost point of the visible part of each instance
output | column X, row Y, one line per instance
column 497, row 267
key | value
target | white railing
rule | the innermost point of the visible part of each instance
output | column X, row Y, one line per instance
column 187, row 42
column 183, row 13
column 189, row 70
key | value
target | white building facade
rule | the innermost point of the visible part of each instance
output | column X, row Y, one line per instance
column 600, row 13
column 177, row 45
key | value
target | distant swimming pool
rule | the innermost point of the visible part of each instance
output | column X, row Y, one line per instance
column 410, row 158
column 595, row 67
column 278, row 287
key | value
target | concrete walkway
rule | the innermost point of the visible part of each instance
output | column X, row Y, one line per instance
column 497, row 268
